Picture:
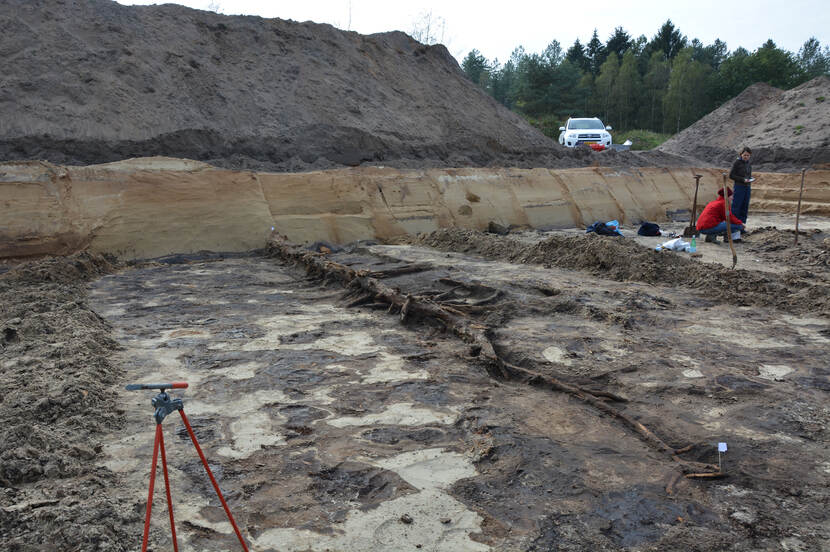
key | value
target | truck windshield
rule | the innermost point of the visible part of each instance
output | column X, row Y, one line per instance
column 585, row 124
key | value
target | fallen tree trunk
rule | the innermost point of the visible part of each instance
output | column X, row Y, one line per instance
column 373, row 291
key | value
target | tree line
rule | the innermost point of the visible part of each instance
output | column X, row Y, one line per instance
column 662, row 85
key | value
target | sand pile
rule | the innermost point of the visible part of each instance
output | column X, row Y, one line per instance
column 92, row 81
column 787, row 130
column 58, row 399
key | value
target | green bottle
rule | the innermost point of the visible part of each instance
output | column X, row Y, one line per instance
column 693, row 248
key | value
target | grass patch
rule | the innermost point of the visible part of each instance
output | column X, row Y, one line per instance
column 641, row 139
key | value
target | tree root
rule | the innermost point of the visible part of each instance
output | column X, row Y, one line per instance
column 408, row 269
column 370, row 290
column 706, row 475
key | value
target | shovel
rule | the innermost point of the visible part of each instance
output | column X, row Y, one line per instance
column 691, row 230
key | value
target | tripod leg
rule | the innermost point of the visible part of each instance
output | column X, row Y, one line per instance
column 213, row 480
column 167, row 490
column 152, row 484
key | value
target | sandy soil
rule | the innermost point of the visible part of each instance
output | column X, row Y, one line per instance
column 332, row 428
column 336, row 427
column 787, row 130
column 94, row 81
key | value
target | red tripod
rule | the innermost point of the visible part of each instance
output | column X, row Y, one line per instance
column 165, row 405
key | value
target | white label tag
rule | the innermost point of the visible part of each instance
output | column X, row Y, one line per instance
column 721, row 447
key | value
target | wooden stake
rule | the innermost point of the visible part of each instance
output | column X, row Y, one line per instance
column 798, row 211
column 728, row 212
column 691, row 230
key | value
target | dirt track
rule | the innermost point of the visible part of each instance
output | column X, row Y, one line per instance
column 336, row 428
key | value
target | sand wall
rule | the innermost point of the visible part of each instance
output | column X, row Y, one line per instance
column 150, row 207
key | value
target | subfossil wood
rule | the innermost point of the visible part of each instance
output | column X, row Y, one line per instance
column 706, row 475
column 477, row 336
column 408, row 269
column 675, row 477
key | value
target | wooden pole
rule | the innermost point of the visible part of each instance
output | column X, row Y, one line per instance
column 691, row 230
column 728, row 212
column 694, row 203
column 798, row 210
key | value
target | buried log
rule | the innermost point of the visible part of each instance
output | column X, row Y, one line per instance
column 408, row 269
column 372, row 291
column 705, row 475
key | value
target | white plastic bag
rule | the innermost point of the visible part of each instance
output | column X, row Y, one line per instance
column 677, row 244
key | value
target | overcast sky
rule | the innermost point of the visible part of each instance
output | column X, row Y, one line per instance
column 495, row 28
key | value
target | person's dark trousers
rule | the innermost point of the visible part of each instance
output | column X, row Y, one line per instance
column 740, row 201
column 720, row 228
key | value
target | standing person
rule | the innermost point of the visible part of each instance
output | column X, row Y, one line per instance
column 712, row 221
column 741, row 174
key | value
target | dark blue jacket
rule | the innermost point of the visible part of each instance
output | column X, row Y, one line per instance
column 741, row 170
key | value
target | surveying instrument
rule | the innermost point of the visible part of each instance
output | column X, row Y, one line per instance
column 164, row 405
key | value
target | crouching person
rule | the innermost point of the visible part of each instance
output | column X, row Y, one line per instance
column 712, row 221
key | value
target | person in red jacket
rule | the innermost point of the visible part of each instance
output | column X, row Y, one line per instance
column 712, row 221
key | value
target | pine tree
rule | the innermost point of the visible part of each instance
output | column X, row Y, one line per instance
column 596, row 53
column 476, row 67
column 812, row 60
column 576, row 54
column 774, row 66
column 667, row 40
column 619, row 42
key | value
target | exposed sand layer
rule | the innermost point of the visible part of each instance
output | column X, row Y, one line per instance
column 145, row 208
